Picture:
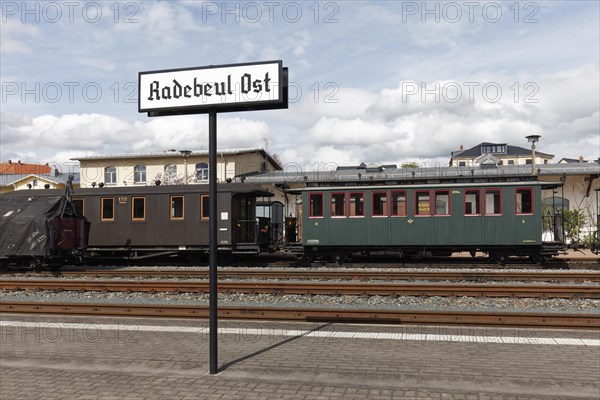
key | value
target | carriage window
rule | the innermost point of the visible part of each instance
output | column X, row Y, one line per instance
column 472, row 202
column 338, row 204
column 493, row 202
column 357, row 204
column 108, row 209
column 204, row 214
column 316, row 204
column 176, row 207
column 423, row 203
column 399, row 204
column 78, row 203
column 442, row 203
column 138, row 208
column 380, row 204
column 524, row 201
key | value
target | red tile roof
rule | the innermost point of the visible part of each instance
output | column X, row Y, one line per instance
column 20, row 168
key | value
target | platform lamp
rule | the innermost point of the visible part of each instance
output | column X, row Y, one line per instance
column 533, row 139
column 185, row 154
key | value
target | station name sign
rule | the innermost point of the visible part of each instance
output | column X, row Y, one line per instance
column 232, row 87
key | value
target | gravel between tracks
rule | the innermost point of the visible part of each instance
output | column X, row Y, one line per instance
column 582, row 306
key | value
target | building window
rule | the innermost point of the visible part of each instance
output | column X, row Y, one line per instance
column 379, row 204
column 315, row 201
column 138, row 208
column 511, row 162
column 442, row 203
column 202, row 172
column 108, row 209
column 528, row 161
column 170, row 172
column 493, row 202
column 462, row 163
column 338, row 204
column 524, row 201
column 176, row 207
column 556, row 203
column 204, row 213
column 399, row 204
column 422, row 201
column 139, row 174
column 110, row 175
column 472, row 202
column 357, row 205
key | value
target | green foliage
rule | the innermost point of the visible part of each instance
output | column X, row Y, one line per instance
column 590, row 241
column 574, row 221
column 410, row 165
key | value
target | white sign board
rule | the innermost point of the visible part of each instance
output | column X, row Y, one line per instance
column 234, row 87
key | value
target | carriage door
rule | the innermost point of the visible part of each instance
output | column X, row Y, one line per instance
column 244, row 218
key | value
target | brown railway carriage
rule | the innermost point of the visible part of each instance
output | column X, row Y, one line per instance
column 145, row 221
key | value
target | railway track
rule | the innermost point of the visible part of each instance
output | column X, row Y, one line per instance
column 259, row 273
column 311, row 288
column 512, row 319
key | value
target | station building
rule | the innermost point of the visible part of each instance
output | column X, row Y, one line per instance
column 171, row 167
column 498, row 153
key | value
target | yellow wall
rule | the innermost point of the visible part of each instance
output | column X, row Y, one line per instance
column 228, row 166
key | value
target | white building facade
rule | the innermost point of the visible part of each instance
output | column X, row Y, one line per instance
column 171, row 167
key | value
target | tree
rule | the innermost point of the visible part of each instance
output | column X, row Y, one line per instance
column 276, row 158
column 411, row 164
column 168, row 179
column 574, row 222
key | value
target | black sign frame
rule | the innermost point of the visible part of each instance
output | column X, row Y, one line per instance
column 281, row 103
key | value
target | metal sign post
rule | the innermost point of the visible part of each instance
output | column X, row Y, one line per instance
column 212, row 89
column 212, row 258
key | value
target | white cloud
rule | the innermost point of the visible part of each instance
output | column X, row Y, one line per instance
column 165, row 25
column 353, row 106
column 98, row 63
column 14, row 35
column 394, row 127
column 50, row 138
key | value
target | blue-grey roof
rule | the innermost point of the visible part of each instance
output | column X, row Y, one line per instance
column 511, row 150
column 414, row 174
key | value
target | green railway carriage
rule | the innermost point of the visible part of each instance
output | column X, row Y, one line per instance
column 500, row 218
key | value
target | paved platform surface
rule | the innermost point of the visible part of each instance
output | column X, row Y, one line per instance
column 58, row 357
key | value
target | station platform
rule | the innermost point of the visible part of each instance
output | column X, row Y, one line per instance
column 85, row 358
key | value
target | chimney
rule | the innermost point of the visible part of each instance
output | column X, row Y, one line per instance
column 580, row 159
column 10, row 161
column 462, row 147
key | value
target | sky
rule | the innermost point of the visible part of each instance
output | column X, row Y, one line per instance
column 370, row 81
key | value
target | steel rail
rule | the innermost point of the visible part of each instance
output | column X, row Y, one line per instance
column 311, row 288
column 513, row 319
column 261, row 273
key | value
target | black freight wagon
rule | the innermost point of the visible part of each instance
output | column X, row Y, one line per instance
column 39, row 228
column 147, row 221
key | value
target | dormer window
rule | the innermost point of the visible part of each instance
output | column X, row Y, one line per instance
column 493, row 149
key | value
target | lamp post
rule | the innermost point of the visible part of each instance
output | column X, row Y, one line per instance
column 533, row 139
column 185, row 154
